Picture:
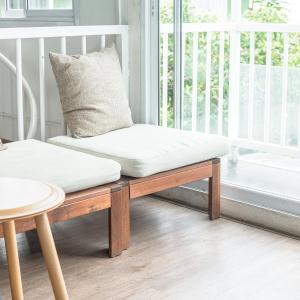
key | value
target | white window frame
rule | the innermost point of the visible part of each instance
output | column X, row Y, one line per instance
column 12, row 13
column 150, row 61
column 38, row 16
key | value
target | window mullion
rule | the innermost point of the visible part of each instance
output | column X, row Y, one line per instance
column 177, row 62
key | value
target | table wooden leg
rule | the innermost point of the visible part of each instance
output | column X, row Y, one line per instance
column 50, row 257
column 13, row 260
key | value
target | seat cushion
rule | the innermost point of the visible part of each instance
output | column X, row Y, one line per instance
column 144, row 150
column 71, row 170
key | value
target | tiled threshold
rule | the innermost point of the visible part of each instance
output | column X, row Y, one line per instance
column 254, row 193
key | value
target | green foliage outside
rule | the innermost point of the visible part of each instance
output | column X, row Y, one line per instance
column 63, row 4
column 270, row 11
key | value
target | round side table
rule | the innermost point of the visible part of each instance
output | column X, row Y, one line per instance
column 21, row 198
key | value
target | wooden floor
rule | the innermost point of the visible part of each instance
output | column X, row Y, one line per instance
column 176, row 253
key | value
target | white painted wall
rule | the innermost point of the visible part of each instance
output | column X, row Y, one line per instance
column 98, row 12
column 92, row 12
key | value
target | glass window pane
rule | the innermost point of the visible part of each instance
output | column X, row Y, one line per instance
column 15, row 4
column 50, row 4
column 266, row 11
column 166, row 63
column 201, row 56
column 63, row 4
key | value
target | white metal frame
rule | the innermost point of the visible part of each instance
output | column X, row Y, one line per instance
column 150, row 61
column 234, row 79
column 177, row 63
column 42, row 33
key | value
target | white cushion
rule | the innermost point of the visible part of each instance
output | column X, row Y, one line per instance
column 143, row 150
column 71, row 170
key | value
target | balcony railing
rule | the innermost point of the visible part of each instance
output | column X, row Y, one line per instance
column 226, row 91
column 12, row 39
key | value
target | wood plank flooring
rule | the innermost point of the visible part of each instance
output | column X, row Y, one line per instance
column 175, row 253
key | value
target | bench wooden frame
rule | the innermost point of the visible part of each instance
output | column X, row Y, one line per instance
column 138, row 187
column 116, row 197
column 84, row 202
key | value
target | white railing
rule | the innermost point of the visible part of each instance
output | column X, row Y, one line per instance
column 29, row 96
column 38, row 35
column 233, row 33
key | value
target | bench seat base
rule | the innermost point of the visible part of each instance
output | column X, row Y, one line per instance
column 84, row 202
column 138, row 187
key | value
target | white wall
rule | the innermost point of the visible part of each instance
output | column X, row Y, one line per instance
column 98, row 12
column 92, row 12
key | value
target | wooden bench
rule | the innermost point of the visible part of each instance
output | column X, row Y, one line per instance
column 77, row 204
column 137, row 187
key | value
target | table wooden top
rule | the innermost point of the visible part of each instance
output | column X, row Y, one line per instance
column 22, row 197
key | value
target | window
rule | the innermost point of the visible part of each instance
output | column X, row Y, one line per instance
column 231, row 68
column 38, row 10
column 193, row 101
column 189, row 59
column 49, row 4
column 17, row 4
column 12, row 9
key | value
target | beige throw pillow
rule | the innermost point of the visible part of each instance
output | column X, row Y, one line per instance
column 92, row 92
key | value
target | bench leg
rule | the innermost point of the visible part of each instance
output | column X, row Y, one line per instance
column 119, row 232
column 214, row 191
column 33, row 241
column 126, row 218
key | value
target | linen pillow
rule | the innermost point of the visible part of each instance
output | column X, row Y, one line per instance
column 92, row 92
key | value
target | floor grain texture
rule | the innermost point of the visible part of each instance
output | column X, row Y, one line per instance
column 175, row 253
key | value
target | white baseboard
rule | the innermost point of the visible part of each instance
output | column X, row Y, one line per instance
column 273, row 220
